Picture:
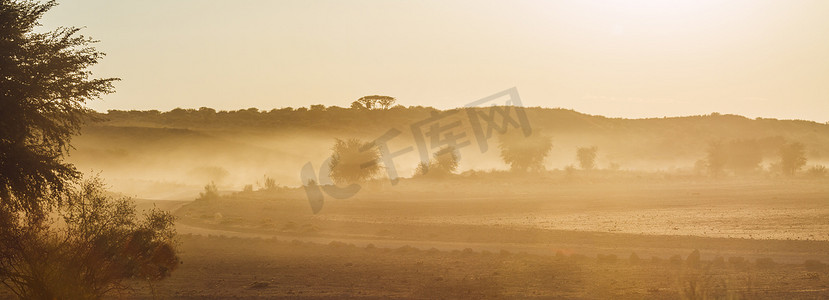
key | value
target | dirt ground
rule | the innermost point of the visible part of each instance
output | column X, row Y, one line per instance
column 253, row 268
column 577, row 239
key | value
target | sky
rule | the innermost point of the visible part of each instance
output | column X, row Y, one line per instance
column 631, row 59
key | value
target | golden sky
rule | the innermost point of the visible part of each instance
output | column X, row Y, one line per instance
column 636, row 58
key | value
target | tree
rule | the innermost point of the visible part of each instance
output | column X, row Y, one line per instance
column 369, row 102
column 101, row 244
column 353, row 161
column 587, row 157
column 792, row 157
column 446, row 160
column 60, row 238
column 44, row 84
column 525, row 153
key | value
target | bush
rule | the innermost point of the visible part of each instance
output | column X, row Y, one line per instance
column 100, row 244
column 210, row 192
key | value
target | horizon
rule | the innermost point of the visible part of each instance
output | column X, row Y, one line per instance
column 634, row 59
column 453, row 108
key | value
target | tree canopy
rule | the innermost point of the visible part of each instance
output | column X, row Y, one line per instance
column 44, row 84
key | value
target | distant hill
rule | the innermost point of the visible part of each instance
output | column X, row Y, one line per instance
column 174, row 146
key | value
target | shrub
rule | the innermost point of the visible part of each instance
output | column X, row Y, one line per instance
column 210, row 192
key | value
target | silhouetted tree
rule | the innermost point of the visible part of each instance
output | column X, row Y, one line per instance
column 369, row 102
column 446, row 160
column 587, row 157
column 525, row 153
column 44, row 84
column 354, row 161
column 792, row 157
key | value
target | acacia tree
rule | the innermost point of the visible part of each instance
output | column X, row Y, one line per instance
column 353, row 161
column 369, row 102
column 44, row 86
column 792, row 157
column 587, row 157
column 525, row 153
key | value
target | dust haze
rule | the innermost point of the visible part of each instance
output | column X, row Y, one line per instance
column 637, row 149
column 699, row 206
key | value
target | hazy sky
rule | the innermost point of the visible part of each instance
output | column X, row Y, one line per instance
column 635, row 58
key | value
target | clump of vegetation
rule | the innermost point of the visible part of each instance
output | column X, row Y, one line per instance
column 100, row 244
column 354, row 161
column 444, row 162
column 587, row 157
column 525, row 153
column 62, row 237
column 792, row 158
column 211, row 192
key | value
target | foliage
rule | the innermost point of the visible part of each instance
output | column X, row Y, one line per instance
column 59, row 240
column 369, row 102
column 792, row 157
column 100, row 244
column 268, row 184
column 354, row 161
column 211, row 192
column 817, row 171
column 445, row 161
column 587, row 157
column 525, row 153
column 44, row 86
